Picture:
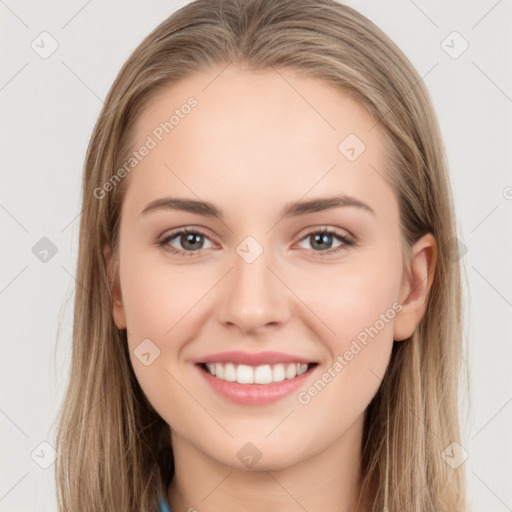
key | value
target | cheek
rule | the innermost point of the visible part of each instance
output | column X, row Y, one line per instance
column 162, row 303
column 350, row 299
column 160, row 297
column 359, row 356
column 358, row 304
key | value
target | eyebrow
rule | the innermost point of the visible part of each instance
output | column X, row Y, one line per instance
column 291, row 209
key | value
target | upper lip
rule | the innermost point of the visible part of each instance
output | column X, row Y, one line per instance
column 253, row 358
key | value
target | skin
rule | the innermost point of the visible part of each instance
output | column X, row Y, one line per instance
column 253, row 144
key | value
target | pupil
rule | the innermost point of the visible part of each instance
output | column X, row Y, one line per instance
column 191, row 240
column 322, row 240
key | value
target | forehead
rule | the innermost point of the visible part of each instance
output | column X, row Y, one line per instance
column 244, row 136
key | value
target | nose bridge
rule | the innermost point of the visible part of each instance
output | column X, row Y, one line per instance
column 253, row 297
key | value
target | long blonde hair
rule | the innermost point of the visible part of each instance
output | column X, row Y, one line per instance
column 114, row 451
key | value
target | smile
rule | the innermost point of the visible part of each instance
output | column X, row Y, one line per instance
column 253, row 379
column 262, row 374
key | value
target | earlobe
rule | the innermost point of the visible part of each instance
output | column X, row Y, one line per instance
column 415, row 288
column 118, row 312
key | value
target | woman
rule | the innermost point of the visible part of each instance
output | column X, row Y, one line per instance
column 270, row 314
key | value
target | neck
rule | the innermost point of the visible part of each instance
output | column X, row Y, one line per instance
column 330, row 480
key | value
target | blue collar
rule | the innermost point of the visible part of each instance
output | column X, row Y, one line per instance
column 163, row 506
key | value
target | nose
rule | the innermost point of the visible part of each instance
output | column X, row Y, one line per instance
column 253, row 298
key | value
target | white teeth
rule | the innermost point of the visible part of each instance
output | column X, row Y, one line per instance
column 278, row 373
column 244, row 374
column 291, row 371
column 301, row 368
column 230, row 373
column 263, row 374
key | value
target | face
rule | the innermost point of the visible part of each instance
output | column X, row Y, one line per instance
column 270, row 277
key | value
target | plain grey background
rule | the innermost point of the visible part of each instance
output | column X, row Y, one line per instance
column 50, row 103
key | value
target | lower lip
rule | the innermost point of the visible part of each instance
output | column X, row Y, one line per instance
column 255, row 394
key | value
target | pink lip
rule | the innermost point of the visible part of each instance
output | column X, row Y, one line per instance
column 254, row 394
column 253, row 358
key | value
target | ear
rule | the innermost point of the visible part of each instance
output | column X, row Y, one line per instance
column 414, row 291
column 117, row 300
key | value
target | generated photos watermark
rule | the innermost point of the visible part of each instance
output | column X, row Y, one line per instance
column 151, row 142
column 361, row 341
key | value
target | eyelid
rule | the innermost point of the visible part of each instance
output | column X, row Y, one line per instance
column 184, row 229
column 343, row 233
column 163, row 239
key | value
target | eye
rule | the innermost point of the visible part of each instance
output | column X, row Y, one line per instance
column 323, row 241
column 190, row 240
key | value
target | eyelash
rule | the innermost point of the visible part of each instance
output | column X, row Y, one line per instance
column 164, row 243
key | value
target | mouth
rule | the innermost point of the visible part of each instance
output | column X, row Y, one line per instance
column 262, row 374
column 255, row 379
